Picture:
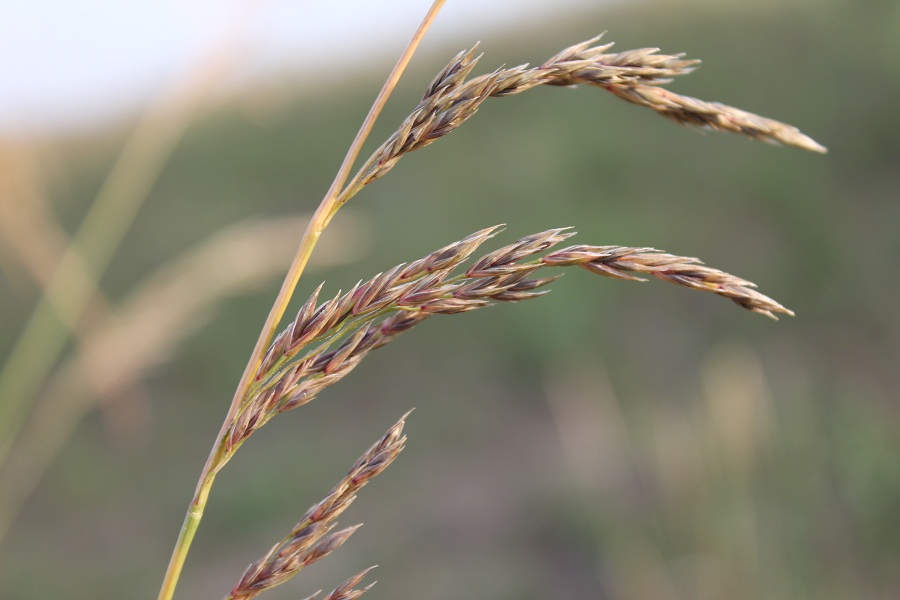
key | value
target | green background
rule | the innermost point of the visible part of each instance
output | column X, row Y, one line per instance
column 610, row 440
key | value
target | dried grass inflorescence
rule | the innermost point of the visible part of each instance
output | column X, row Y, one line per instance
column 373, row 313
column 347, row 590
column 328, row 339
column 633, row 75
column 714, row 115
column 311, row 538
column 620, row 262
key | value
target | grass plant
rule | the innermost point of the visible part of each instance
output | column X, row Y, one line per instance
column 328, row 339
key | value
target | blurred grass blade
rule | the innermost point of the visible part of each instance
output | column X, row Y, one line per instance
column 69, row 291
column 157, row 317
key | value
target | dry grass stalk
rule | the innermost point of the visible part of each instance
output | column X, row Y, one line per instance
column 375, row 312
column 310, row 539
column 633, row 75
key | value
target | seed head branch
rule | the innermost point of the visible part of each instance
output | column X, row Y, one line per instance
column 621, row 263
column 633, row 75
column 310, row 539
column 713, row 115
column 303, row 360
column 347, row 591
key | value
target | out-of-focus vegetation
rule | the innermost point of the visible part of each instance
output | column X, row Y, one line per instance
column 610, row 440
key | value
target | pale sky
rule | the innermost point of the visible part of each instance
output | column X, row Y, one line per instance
column 72, row 64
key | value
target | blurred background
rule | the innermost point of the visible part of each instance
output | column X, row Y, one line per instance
column 610, row 440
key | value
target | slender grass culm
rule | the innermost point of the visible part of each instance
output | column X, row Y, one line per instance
column 328, row 338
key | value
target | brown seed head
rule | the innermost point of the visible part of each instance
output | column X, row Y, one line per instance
column 310, row 539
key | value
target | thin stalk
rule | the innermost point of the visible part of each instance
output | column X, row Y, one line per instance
column 332, row 201
column 327, row 208
column 186, row 536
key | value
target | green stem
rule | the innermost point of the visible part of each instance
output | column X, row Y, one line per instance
column 186, row 536
column 324, row 213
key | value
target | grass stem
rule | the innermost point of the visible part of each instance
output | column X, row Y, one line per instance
column 317, row 224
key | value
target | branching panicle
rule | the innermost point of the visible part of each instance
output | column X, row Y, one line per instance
column 374, row 313
column 310, row 539
column 312, row 320
column 634, row 75
column 328, row 339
